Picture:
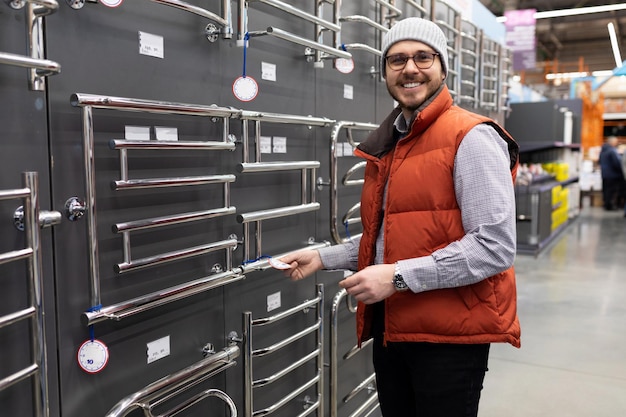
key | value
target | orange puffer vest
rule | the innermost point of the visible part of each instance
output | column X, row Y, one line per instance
column 421, row 216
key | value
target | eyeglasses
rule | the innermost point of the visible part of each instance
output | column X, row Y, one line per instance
column 422, row 60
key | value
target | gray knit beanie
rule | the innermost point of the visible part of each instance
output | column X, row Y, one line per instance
column 417, row 29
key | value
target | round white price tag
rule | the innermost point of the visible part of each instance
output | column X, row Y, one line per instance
column 344, row 65
column 93, row 356
column 245, row 88
column 112, row 3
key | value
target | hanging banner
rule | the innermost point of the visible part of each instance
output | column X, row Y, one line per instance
column 520, row 37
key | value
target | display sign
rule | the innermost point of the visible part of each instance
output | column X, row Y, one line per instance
column 520, row 37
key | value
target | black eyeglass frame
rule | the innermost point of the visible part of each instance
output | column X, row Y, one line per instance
column 406, row 59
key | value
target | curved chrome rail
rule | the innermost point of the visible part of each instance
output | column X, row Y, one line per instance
column 165, row 388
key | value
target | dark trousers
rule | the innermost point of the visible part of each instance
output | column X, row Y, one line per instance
column 611, row 189
column 427, row 379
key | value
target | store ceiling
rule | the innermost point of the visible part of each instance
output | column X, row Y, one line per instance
column 571, row 41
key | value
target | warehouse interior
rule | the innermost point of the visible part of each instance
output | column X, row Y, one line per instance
column 157, row 154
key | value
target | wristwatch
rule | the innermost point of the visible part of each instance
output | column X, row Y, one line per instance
column 398, row 281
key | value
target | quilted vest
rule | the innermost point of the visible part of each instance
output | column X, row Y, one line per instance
column 421, row 216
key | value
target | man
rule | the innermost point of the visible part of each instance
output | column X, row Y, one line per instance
column 435, row 281
column 611, row 172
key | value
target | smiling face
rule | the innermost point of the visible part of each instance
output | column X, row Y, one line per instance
column 411, row 86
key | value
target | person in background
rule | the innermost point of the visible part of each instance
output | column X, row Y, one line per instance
column 435, row 282
column 611, row 172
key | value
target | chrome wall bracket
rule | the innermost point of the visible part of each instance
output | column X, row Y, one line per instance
column 46, row 218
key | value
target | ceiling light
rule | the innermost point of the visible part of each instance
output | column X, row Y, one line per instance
column 573, row 12
column 614, row 45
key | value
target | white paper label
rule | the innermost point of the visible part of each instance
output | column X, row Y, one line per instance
column 265, row 144
column 338, row 150
column 158, row 349
column 279, row 144
column 268, row 71
column 151, row 45
column 273, row 301
column 137, row 132
column 348, row 92
column 348, row 150
column 166, row 133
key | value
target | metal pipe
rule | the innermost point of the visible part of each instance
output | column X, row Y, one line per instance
column 363, row 385
column 371, row 401
column 287, row 36
column 43, row 67
column 15, row 255
column 276, row 166
column 269, row 410
column 152, row 144
column 14, row 194
column 174, row 256
column 170, row 220
column 285, row 342
column 213, row 364
column 347, row 218
column 17, row 316
column 195, row 10
column 90, row 197
column 201, row 396
column 416, row 5
column 172, row 182
column 287, row 313
column 147, row 302
column 263, row 264
column 277, row 212
column 284, row 118
column 351, row 172
column 285, row 7
column 274, row 377
column 389, row 6
column 150, row 106
column 38, row 340
column 18, row 376
column 363, row 47
column 366, row 20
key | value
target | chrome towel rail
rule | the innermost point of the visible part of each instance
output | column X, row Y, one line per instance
column 317, row 354
column 146, row 302
column 165, row 388
column 35, row 311
column 87, row 102
column 366, row 384
column 338, row 127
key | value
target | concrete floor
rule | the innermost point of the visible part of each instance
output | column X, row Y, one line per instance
column 572, row 309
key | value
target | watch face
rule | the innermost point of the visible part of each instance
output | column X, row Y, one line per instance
column 399, row 283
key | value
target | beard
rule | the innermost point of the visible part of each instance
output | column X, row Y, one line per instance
column 412, row 102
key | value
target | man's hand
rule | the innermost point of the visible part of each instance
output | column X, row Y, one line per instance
column 303, row 263
column 371, row 284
